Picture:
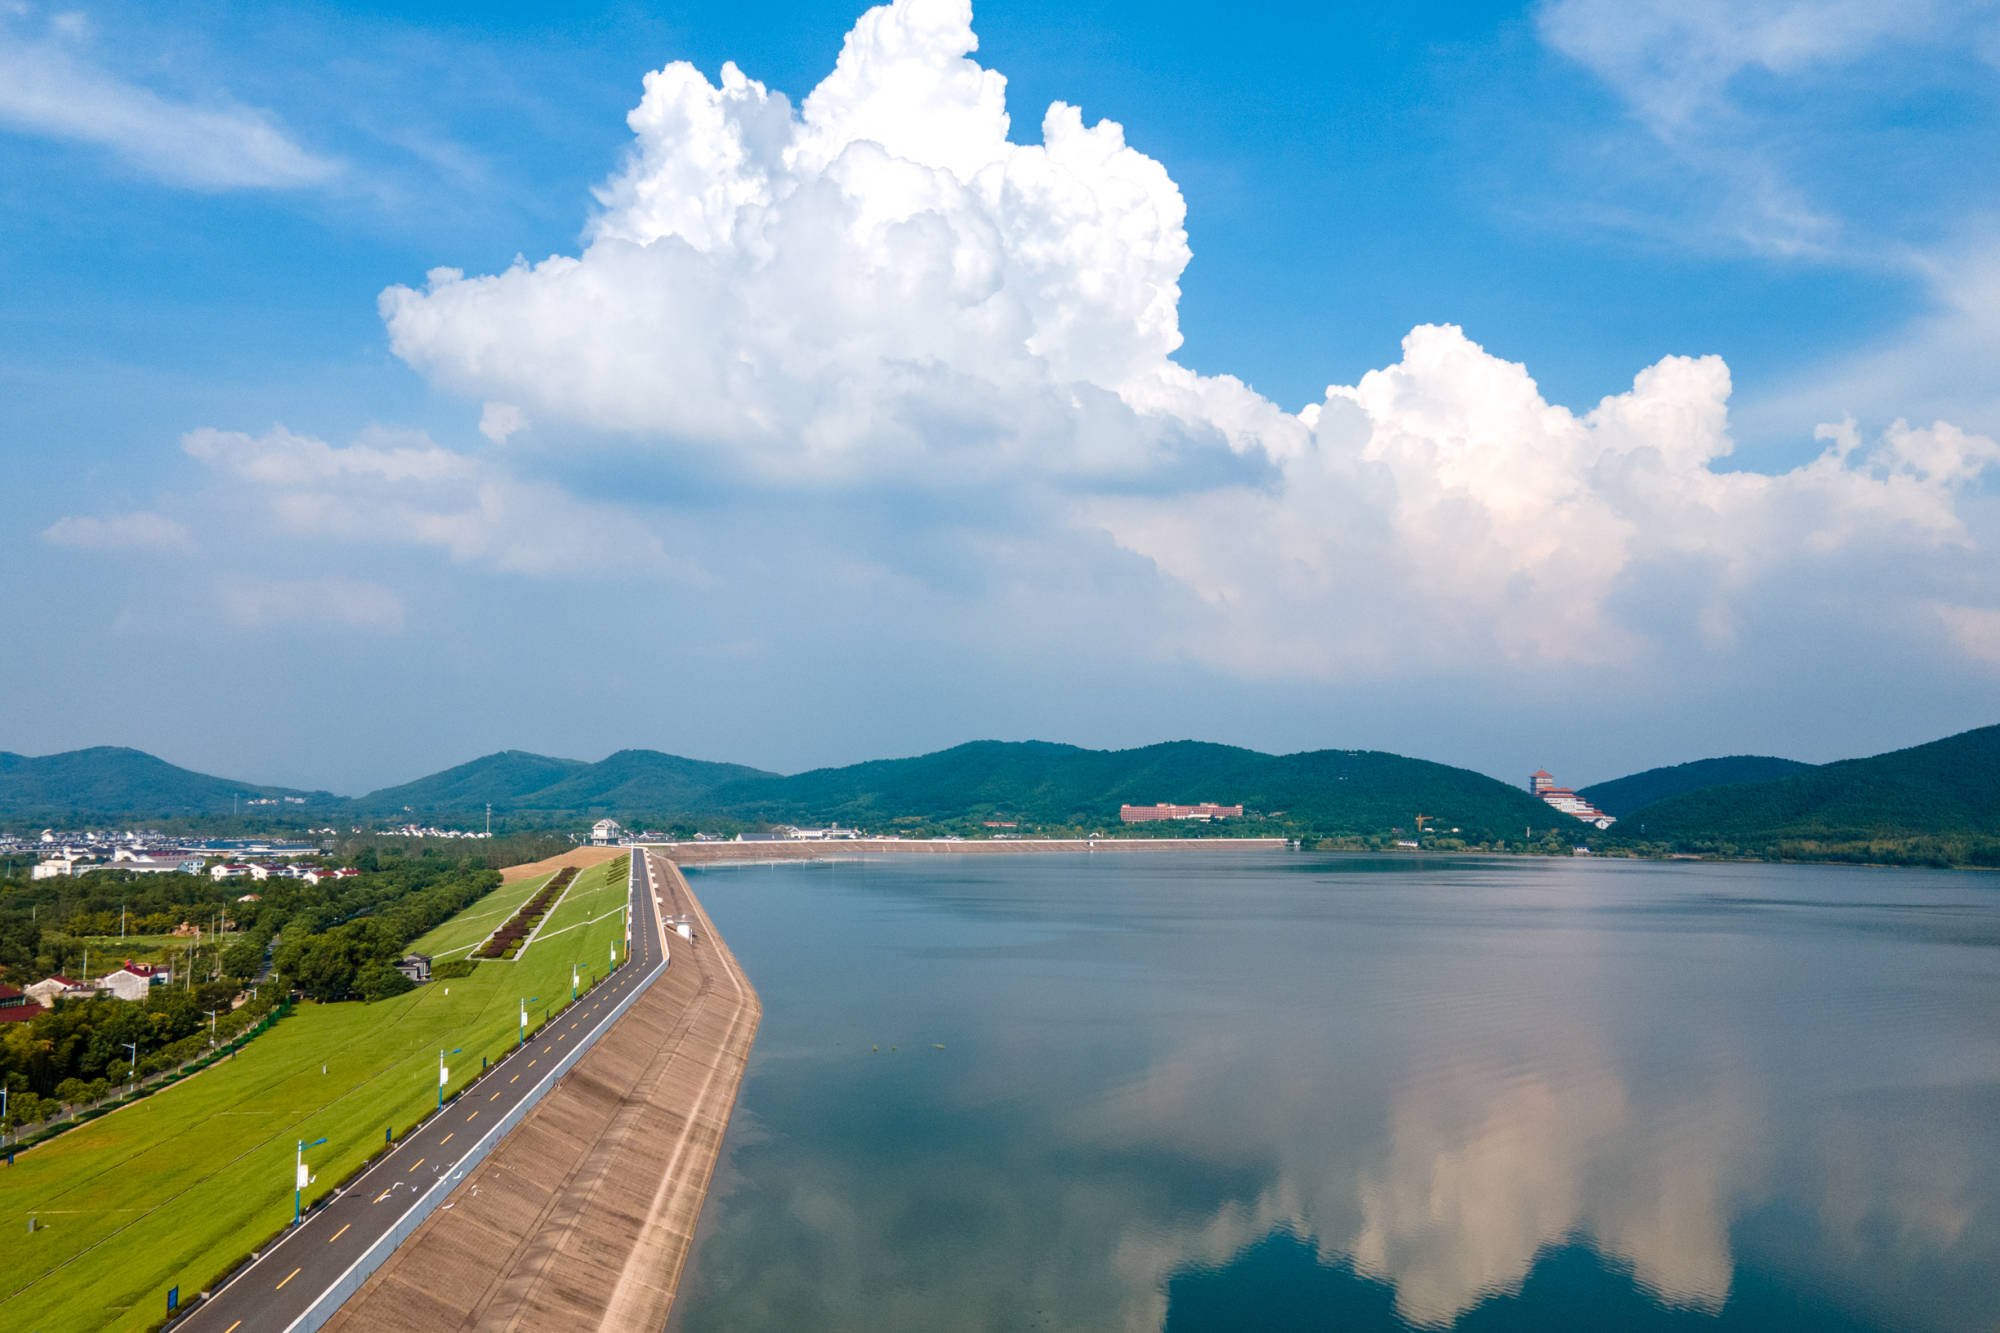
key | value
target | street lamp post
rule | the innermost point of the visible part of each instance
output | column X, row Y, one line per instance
column 444, row 1072
column 300, row 1179
column 133, row 1075
column 526, row 1000
column 575, row 979
column 211, row 1027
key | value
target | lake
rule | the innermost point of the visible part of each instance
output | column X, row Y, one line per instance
column 1320, row 1091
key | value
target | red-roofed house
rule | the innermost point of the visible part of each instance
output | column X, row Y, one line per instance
column 134, row 981
column 16, row 1007
column 50, row 989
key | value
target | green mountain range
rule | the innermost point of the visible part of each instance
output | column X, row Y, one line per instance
column 1359, row 791
column 1622, row 796
column 109, row 781
column 1945, row 789
column 1946, row 792
column 1034, row 783
column 630, row 782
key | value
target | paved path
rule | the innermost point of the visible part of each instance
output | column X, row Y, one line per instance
column 288, row 1287
column 584, row 1217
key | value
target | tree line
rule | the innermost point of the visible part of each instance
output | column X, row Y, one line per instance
column 333, row 941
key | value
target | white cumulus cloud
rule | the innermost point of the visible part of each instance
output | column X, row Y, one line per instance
column 499, row 420
column 878, row 287
column 886, row 347
column 878, row 275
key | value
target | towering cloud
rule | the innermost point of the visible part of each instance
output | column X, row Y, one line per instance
column 879, row 287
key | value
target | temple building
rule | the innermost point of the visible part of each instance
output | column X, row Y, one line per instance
column 1543, row 784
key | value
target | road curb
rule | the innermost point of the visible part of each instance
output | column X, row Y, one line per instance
column 329, row 1302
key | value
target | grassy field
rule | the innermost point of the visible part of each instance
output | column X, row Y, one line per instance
column 176, row 1188
column 108, row 951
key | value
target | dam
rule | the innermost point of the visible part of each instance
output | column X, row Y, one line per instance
column 584, row 1215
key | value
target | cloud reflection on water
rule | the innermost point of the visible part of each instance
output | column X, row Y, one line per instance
column 1713, row 1105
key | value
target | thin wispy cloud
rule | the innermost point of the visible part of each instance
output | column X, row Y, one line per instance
column 141, row 531
column 51, row 86
column 335, row 602
column 402, row 489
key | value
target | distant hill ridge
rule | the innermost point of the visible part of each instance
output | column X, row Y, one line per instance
column 1945, row 788
column 515, row 781
column 1624, row 795
column 1033, row 781
column 112, row 780
column 1048, row 783
column 1949, row 788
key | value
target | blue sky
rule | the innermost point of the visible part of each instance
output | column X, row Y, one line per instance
column 865, row 425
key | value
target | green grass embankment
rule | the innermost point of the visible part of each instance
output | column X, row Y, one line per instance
column 176, row 1188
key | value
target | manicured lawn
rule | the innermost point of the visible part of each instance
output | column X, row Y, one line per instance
column 174, row 1189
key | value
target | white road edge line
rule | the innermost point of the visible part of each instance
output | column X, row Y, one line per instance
column 535, row 1092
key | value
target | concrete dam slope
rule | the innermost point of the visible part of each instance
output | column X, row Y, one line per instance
column 583, row 1217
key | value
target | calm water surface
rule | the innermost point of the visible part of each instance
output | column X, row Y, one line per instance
column 1285, row 1091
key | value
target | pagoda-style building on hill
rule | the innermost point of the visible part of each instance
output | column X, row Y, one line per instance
column 1543, row 784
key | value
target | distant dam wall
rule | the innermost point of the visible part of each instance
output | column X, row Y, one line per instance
column 704, row 853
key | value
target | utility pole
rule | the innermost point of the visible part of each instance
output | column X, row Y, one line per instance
column 300, row 1179
column 444, row 1072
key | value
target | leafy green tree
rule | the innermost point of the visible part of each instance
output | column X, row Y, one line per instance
column 378, row 981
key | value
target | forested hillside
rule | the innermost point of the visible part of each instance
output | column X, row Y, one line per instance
column 1035, row 783
column 1621, row 796
column 110, row 780
column 1045, row 784
column 1945, row 790
column 627, row 783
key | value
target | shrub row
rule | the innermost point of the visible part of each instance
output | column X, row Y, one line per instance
column 507, row 940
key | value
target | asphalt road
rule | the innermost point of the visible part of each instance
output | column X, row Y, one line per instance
column 273, row 1293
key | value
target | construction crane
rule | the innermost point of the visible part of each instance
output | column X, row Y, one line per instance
column 1420, row 823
